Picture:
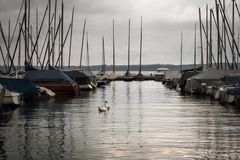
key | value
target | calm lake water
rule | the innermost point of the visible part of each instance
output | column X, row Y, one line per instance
column 146, row 121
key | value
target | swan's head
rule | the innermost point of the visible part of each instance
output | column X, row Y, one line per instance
column 106, row 101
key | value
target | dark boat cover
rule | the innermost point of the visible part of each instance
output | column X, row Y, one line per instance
column 24, row 86
column 234, row 91
column 48, row 76
column 231, row 79
column 78, row 76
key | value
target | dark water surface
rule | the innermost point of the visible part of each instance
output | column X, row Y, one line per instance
column 146, row 121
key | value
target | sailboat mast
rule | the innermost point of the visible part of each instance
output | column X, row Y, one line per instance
column 224, row 34
column 19, row 47
column 219, row 47
column 233, row 34
column 238, row 45
column 181, row 52
column 103, row 56
column 195, row 46
column 128, row 46
column 88, row 60
column 25, row 31
column 62, row 14
column 8, row 58
column 49, row 32
column 201, row 42
column 54, row 31
column 81, row 54
column 37, row 47
column 210, row 41
column 52, row 39
column 28, row 33
column 207, row 46
column 140, row 67
column 31, row 35
column 70, row 46
column 59, row 38
column 113, row 49
column 219, row 57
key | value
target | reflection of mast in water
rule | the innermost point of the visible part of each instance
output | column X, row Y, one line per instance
column 71, row 141
column 27, row 145
column 127, row 74
column 103, row 94
column 2, row 143
column 62, row 132
column 128, row 112
column 56, row 125
column 140, row 114
column 128, row 94
column 113, row 93
column 2, row 147
column 140, row 93
column 84, row 125
column 27, row 133
column 113, row 113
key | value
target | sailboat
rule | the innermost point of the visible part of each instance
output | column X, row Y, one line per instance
column 113, row 75
column 85, row 79
column 140, row 76
column 128, row 76
column 2, row 94
column 9, row 98
column 101, row 76
column 53, row 79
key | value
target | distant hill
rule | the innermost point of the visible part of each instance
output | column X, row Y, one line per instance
column 150, row 67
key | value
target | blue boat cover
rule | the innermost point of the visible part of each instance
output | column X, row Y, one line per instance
column 231, row 79
column 234, row 91
column 48, row 76
column 24, row 86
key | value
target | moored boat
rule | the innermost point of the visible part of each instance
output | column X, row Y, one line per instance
column 12, row 98
column 44, row 92
column 2, row 93
column 101, row 79
column 208, row 78
column 84, row 79
column 9, row 98
column 55, row 80
column 139, row 77
column 20, row 85
column 160, row 74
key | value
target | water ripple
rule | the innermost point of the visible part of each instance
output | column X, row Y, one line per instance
column 146, row 121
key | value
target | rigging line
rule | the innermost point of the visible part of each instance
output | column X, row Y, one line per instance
column 20, row 11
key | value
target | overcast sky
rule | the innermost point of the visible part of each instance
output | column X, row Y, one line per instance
column 163, row 21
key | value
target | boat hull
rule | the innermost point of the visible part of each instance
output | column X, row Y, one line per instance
column 24, row 86
column 159, row 78
column 84, row 79
column 237, row 100
column 101, row 83
column 2, row 94
column 61, row 88
column 86, row 87
column 12, row 98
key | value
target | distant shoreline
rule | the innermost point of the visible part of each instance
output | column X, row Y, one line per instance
column 149, row 67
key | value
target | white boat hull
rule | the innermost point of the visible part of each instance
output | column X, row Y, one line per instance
column 2, row 94
column 12, row 98
column 85, row 87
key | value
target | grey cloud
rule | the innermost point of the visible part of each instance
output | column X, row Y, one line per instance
column 162, row 23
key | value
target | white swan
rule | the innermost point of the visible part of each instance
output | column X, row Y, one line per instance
column 104, row 107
